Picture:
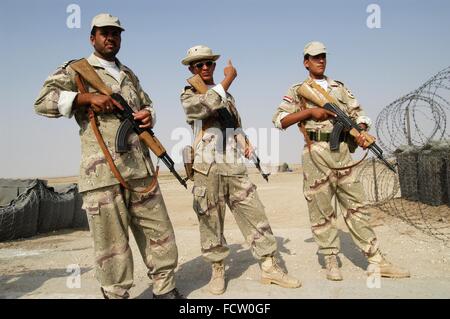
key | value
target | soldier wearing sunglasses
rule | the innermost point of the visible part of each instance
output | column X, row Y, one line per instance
column 220, row 176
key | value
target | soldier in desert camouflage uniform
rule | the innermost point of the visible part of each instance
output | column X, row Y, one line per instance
column 110, row 207
column 321, row 181
column 221, row 177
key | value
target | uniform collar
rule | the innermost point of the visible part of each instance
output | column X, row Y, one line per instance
column 331, row 83
column 93, row 60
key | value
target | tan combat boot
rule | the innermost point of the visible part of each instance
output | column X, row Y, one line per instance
column 217, row 283
column 379, row 264
column 273, row 274
column 333, row 271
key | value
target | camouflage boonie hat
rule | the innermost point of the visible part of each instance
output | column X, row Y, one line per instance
column 199, row 52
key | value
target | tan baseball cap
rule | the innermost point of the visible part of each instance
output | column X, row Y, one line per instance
column 106, row 20
column 314, row 48
column 199, row 52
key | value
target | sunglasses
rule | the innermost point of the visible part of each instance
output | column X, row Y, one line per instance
column 200, row 65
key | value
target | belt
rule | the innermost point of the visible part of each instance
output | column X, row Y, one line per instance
column 324, row 136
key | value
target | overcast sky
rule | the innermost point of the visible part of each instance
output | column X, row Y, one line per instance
column 264, row 39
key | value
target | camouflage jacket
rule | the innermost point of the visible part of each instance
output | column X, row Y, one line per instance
column 200, row 110
column 292, row 103
column 94, row 170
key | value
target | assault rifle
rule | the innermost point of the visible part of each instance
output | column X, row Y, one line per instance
column 128, row 125
column 228, row 121
column 342, row 122
column 125, row 114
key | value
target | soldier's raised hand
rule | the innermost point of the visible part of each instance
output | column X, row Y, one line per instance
column 230, row 74
column 230, row 70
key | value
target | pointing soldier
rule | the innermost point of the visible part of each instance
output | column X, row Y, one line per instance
column 111, row 206
column 220, row 176
column 327, row 173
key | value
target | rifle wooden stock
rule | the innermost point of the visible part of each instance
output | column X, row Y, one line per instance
column 83, row 67
column 197, row 82
column 369, row 138
column 308, row 93
column 152, row 143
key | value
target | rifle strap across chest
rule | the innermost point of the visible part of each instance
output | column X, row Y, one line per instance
column 88, row 74
column 200, row 88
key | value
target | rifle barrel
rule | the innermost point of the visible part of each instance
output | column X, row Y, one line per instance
column 170, row 165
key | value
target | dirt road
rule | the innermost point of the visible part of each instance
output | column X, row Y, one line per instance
column 46, row 266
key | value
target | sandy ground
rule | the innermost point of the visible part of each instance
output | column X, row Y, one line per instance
column 43, row 266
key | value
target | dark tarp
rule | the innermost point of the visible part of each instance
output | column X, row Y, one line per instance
column 29, row 207
column 10, row 189
column 20, row 218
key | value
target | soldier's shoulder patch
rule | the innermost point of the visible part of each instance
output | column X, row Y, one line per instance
column 291, row 94
column 350, row 94
column 188, row 88
column 288, row 99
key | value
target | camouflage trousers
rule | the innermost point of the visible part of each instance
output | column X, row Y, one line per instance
column 110, row 211
column 319, row 186
column 211, row 194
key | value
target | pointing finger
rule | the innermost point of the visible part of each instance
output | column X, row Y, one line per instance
column 330, row 113
column 117, row 104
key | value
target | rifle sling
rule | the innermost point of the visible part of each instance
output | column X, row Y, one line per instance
column 200, row 88
column 79, row 79
column 87, row 72
column 302, row 127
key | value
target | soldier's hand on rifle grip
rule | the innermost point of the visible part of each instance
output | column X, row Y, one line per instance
column 102, row 103
column 117, row 104
column 320, row 114
column 145, row 117
column 248, row 151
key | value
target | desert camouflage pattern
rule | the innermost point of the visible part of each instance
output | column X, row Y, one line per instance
column 111, row 210
column 94, row 170
column 211, row 195
column 199, row 109
column 221, row 180
column 292, row 103
column 320, row 183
